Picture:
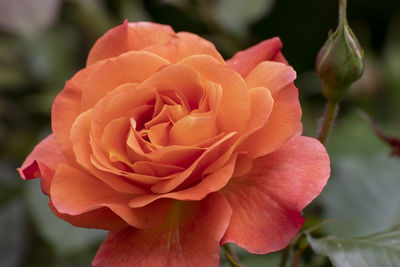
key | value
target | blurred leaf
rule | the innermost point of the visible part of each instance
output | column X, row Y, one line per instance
column 8, row 176
column 11, row 67
column 9, row 182
column 93, row 16
column 392, row 45
column 179, row 3
column 27, row 17
column 381, row 249
column 391, row 141
column 65, row 238
column 362, row 195
column 12, row 233
column 237, row 15
column 18, row 144
column 133, row 11
column 391, row 58
column 350, row 135
column 10, row 76
column 52, row 56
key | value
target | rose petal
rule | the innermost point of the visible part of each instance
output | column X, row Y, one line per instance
column 244, row 61
column 193, row 129
column 102, row 218
column 138, row 179
column 181, row 79
column 280, row 185
column 262, row 105
column 128, row 100
column 128, row 37
column 182, row 156
column 167, row 114
column 261, row 108
column 279, row 57
column 196, row 170
column 243, row 165
column 158, row 134
column 113, row 139
column 42, row 162
column 185, row 45
column 157, row 169
column 272, row 75
column 131, row 67
column 234, row 109
column 74, row 192
column 67, row 107
column 212, row 183
column 194, row 165
column 283, row 123
column 189, row 236
column 83, row 148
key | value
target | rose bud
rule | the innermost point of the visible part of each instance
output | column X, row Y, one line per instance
column 340, row 62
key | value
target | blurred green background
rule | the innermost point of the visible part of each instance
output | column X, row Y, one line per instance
column 44, row 42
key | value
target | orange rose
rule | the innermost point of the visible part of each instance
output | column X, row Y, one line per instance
column 176, row 151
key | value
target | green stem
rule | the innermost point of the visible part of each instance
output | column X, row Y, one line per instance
column 329, row 118
column 297, row 256
column 231, row 256
column 285, row 255
column 342, row 11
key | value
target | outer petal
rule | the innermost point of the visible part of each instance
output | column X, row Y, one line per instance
column 42, row 162
column 279, row 57
column 282, row 125
column 272, row 75
column 67, row 107
column 280, row 185
column 286, row 114
column 261, row 108
column 128, row 37
column 190, row 236
column 244, row 61
column 74, row 192
column 102, row 218
column 131, row 67
column 184, row 45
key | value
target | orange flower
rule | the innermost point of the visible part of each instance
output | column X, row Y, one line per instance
column 176, row 151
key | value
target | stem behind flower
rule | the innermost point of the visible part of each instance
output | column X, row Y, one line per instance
column 329, row 118
column 231, row 256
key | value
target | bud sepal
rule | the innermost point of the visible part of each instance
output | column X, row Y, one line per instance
column 340, row 61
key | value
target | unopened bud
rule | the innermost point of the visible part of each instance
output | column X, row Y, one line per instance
column 340, row 62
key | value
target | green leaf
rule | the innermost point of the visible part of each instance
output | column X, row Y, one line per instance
column 362, row 196
column 350, row 135
column 381, row 249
